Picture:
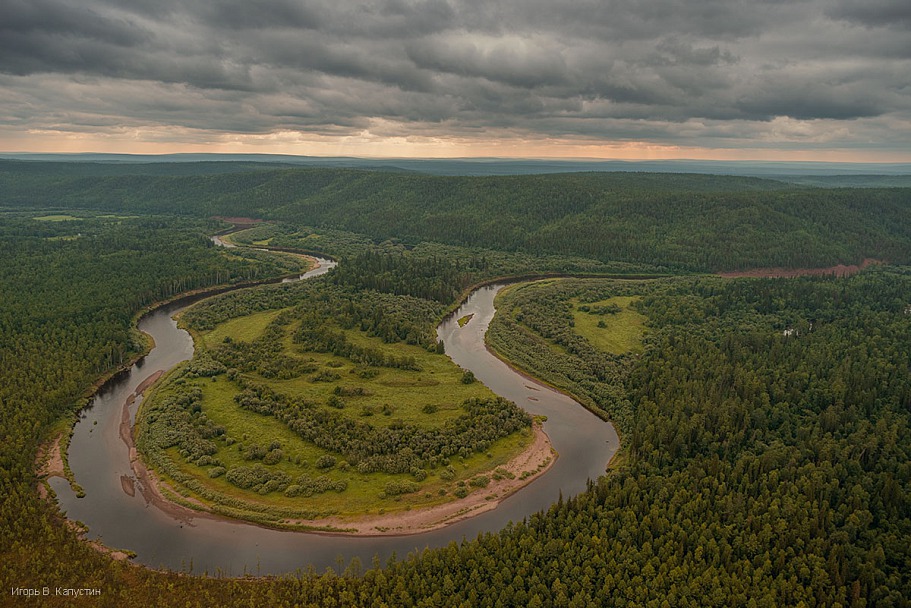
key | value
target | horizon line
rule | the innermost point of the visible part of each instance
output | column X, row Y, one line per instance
column 559, row 159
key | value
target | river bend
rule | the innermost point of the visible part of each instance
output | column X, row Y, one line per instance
column 122, row 519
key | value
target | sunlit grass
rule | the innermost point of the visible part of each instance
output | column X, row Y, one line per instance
column 614, row 333
column 244, row 329
column 56, row 218
column 391, row 396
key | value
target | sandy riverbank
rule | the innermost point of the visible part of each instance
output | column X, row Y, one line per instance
column 533, row 462
column 50, row 463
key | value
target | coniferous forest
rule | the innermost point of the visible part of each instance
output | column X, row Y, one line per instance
column 766, row 448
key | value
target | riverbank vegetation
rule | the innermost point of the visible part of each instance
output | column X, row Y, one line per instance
column 550, row 329
column 766, row 439
column 339, row 405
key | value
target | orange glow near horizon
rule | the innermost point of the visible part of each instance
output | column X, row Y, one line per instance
column 161, row 140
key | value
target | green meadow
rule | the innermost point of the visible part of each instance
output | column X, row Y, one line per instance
column 426, row 396
column 56, row 218
column 617, row 332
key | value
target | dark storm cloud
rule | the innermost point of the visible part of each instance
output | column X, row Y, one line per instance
column 697, row 71
column 243, row 14
column 49, row 18
column 43, row 35
column 873, row 13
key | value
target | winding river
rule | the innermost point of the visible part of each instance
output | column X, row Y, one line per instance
column 117, row 515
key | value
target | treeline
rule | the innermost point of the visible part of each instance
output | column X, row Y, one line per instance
column 398, row 448
column 693, row 222
column 433, row 271
column 386, row 316
column 430, row 277
column 535, row 318
column 456, row 267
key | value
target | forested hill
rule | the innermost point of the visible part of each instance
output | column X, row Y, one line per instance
column 689, row 221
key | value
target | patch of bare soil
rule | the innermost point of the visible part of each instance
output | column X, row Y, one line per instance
column 840, row 270
column 50, row 459
column 50, row 463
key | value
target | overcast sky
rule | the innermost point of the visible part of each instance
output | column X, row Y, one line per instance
column 751, row 79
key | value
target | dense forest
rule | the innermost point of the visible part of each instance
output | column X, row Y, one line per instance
column 773, row 412
column 692, row 222
column 766, row 450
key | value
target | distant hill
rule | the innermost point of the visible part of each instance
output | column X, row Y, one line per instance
column 681, row 220
column 787, row 171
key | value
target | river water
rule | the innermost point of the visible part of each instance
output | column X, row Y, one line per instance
column 117, row 515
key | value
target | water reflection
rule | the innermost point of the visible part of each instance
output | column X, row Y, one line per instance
column 101, row 463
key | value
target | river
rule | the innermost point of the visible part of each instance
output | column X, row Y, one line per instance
column 116, row 513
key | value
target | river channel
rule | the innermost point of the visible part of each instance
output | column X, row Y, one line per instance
column 117, row 515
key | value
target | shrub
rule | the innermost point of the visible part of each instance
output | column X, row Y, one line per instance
column 273, row 457
column 255, row 452
column 365, row 372
column 325, row 461
column 480, row 481
column 247, row 477
column 395, row 488
column 325, row 376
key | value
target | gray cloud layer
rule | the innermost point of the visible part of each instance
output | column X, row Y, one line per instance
column 716, row 73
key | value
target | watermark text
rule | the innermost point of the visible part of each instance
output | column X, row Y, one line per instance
column 55, row 591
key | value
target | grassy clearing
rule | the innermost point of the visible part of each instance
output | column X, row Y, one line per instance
column 244, row 329
column 381, row 397
column 56, row 218
column 617, row 333
column 365, row 492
